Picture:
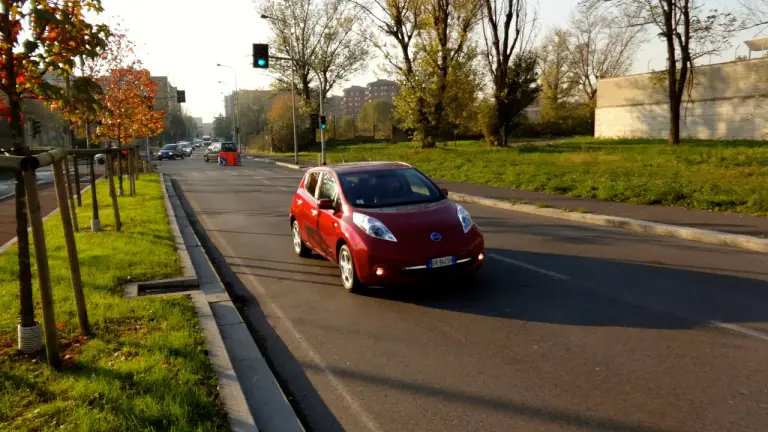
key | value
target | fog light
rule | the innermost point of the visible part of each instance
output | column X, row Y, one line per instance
column 379, row 271
column 480, row 257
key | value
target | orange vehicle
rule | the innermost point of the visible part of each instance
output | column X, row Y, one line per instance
column 228, row 155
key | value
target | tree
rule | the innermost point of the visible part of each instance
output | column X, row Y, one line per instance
column 376, row 117
column 443, row 73
column 324, row 35
column 400, row 21
column 128, row 95
column 602, row 46
column 222, row 127
column 55, row 34
column 558, row 82
column 252, row 112
column 280, row 124
column 523, row 89
column 688, row 32
column 118, row 52
column 507, row 29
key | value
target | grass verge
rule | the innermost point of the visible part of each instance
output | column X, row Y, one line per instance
column 708, row 175
column 146, row 367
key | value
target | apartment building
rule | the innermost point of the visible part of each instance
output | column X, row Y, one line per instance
column 381, row 89
column 165, row 99
column 352, row 100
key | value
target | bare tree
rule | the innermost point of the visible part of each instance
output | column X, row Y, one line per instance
column 603, row 46
column 558, row 81
column 323, row 35
column 507, row 29
column 689, row 34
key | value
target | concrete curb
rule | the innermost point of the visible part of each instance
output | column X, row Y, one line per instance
column 247, row 386
column 278, row 163
column 693, row 234
column 181, row 245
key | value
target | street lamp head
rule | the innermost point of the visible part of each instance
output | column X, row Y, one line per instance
column 264, row 16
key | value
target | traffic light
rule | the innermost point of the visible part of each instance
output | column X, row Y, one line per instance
column 314, row 120
column 323, row 125
column 181, row 96
column 260, row 56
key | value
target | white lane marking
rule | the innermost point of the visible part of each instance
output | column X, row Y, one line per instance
column 337, row 384
column 285, row 189
column 740, row 329
column 728, row 326
column 265, row 181
column 530, row 267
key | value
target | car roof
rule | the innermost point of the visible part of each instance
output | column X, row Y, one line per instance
column 355, row 167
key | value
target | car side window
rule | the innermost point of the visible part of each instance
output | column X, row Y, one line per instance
column 328, row 188
column 311, row 184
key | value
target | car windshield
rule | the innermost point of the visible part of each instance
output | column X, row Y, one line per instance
column 388, row 188
column 185, row 146
column 169, row 147
column 228, row 147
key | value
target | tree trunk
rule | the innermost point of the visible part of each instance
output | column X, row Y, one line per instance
column 27, row 312
column 674, row 122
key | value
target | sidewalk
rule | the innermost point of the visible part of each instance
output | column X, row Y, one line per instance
column 48, row 203
column 732, row 223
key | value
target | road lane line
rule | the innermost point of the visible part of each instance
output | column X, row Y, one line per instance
column 337, row 384
column 530, row 267
column 285, row 189
column 265, row 181
column 740, row 329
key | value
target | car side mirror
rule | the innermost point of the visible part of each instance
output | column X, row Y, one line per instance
column 325, row 204
column 444, row 191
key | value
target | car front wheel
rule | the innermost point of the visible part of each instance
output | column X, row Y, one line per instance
column 347, row 268
column 298, row 244
column 205, row 158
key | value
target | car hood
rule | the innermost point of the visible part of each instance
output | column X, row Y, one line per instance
column 415, row 223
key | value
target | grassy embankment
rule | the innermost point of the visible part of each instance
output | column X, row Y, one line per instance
column 709, row 175
column 145, row 368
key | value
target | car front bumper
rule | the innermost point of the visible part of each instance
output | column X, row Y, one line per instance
column 393, row 265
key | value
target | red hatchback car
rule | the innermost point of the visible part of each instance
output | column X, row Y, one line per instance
column 383, row 223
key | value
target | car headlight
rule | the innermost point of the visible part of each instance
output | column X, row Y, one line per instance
column 464, row 217
column 373, row 227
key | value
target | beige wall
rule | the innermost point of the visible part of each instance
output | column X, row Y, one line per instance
column 728, row 101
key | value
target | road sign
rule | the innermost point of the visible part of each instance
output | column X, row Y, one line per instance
column 181, row 96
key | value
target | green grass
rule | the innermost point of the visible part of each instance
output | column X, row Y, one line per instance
column 710, row 175
column 145, row 368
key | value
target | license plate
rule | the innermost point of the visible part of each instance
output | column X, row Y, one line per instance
column 442, row 262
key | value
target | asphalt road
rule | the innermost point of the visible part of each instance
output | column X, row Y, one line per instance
column 570, row 327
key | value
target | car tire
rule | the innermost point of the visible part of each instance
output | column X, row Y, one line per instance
column 349, row 279
column 299, row 247
column 205, row 158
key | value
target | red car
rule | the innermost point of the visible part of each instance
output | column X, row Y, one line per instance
column 383, row 223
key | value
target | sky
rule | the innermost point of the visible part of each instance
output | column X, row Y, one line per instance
column 186, row 40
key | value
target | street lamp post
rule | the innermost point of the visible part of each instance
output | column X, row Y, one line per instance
column 293, row 93
column 237, row 108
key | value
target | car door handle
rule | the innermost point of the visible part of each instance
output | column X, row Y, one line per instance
column 335, row 224
column 314, row 212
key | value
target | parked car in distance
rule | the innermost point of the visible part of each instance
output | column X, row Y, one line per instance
column 212, row 152
column 170, row 152
column 383, row 223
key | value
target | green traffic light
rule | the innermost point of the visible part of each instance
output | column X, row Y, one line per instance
column 261, row 62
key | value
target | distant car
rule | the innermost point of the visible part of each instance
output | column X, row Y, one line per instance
column 383, row 223
column 170, row 152
column 212, row 152
column 187, row 148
